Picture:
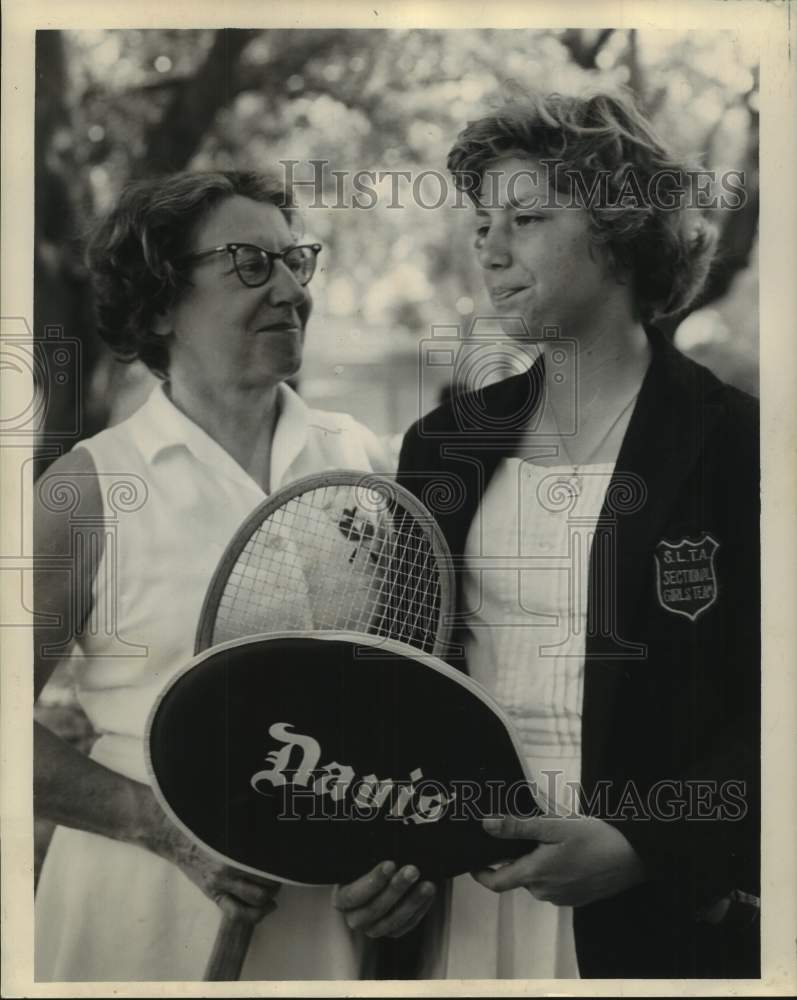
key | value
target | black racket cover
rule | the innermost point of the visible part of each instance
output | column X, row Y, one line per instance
column 311, row 757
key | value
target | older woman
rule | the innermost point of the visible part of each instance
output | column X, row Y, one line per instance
column 202, row 278
column 609, row 597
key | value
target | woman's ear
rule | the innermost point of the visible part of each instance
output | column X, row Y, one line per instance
column 162, row 324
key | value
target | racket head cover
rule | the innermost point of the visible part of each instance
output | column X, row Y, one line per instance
column 311, row 757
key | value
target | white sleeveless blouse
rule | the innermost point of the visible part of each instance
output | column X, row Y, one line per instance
column 525, row 592
column 173, row 498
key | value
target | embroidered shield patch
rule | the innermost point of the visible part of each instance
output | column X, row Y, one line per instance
column 686, row 578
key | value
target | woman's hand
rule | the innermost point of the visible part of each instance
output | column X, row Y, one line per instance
column 75, row 791
column 236, row 893
column 579, row 859
column 385, row 902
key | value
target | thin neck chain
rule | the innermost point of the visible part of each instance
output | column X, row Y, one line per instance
column 594, row 452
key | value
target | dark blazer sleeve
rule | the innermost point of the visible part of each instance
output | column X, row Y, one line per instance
column 703, row 839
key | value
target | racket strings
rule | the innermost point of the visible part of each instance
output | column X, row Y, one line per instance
column 324, row 561
column 416, row 602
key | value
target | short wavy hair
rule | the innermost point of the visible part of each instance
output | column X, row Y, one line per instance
column 132, row 253
column 603, row 144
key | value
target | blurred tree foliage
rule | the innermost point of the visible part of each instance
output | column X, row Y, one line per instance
column 116, row 105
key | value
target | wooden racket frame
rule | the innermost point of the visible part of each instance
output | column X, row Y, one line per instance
column 234, row 935
column 333, row 477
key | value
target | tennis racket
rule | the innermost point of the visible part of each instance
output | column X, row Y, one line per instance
column 340, row 550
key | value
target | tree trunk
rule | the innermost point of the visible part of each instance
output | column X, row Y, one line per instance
column 61, row 312
column 173, row 140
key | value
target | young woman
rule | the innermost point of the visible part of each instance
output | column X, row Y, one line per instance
column 609, row 595
column 203, row 278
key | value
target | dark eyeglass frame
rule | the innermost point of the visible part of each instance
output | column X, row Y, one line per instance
column 269, row 256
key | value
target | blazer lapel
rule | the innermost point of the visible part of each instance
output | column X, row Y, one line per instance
column 481, row 428
column 487, row 426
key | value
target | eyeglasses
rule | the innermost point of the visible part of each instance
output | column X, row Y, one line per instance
column 254, row 265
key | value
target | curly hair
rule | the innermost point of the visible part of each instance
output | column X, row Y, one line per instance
column 602, row 144
column 132, row 253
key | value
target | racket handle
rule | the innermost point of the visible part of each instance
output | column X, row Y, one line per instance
column 229, row 950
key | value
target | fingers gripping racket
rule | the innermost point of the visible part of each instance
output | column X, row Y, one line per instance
column 340, row 550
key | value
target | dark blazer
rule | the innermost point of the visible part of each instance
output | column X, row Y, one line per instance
column 670, row 726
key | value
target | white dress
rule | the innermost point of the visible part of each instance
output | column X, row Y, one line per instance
column 526, row 594
column 172, row 500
